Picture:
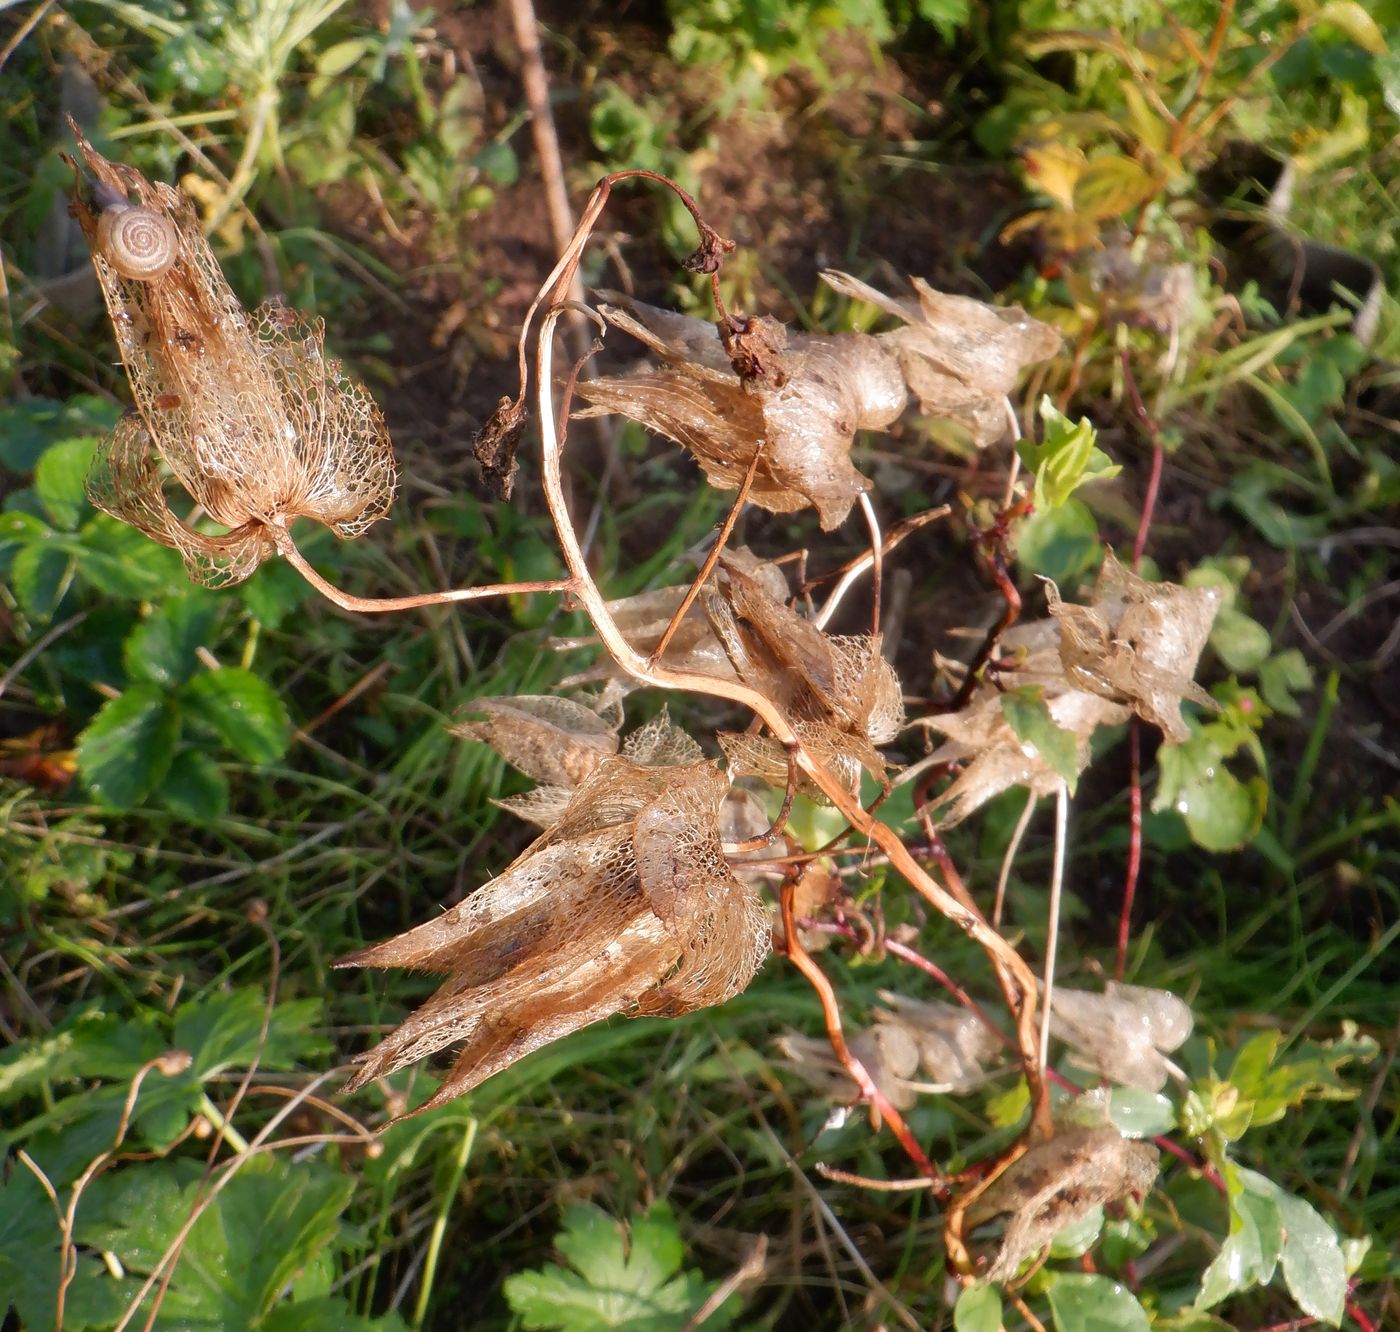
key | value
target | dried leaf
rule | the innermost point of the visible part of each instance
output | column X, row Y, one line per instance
column 1124, row 1033
column 1056, row 1184
column 626, row 905
column 888, row 1053
column 801, row 398
column 960, row 357
column 249, row 414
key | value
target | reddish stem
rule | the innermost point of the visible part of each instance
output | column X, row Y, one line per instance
column 1149, row 505
column 1358, row 1316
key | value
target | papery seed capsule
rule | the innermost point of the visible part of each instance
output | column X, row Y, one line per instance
column 139, row 243
column 167, row 402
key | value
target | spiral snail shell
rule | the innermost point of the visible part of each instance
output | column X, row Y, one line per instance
column 139, row 243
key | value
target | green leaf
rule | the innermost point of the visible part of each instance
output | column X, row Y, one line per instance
column 265, row 1227
column 1029, row 717
column 613, row 1284
column 162, row 648
column 1111, row 186
column 28, row 428
column 1140, row 1114
column 59, row 482
column 1240, row 642
column 39, row 575
column 126, row 750
column 273, row 592
column 1083, row 1303
column 1355, row 22
column 221, row 1032
column 122, row 562
column 1065, row 458
column 195, row 787
column 1281, row 677
column 978, row 1309
column 328, row 1314
column 242, row 710
column 1314, row 1268
column 1059, row 544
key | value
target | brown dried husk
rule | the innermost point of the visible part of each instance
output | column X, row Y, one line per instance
column 1124, row 1033
column 626, row 905
column 248, row 413
column 554, row 740
column 887, row 1053
column 955, row 1045
column 960, row 357
column 1056, row 1184
column 805, row 407
column 1138, row 643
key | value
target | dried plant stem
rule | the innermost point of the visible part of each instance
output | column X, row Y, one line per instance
column 377, row 605
column 775, row 830
column 861, row 563
column 1012, row 847
column 1149, row 505
column 711, row 559
column 1052, row 934
column 816, row 977
column 877, row 567
column 660, row 677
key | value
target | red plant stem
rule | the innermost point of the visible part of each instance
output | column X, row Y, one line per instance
column 1130, row 879
column 1149, row 504
column 831, row 1012
column 1359, row 1317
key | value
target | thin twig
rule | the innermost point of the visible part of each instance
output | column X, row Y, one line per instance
column 1012, row 847
column 1052, row 937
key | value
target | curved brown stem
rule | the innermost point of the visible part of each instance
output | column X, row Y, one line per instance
column 378, row 605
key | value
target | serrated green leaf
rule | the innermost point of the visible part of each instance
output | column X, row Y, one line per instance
column 978, row 1309
column 221, row 1031
column 162, row 648
column 40, row 574
column 59, row 481
column 195, row 787
column 1083, row 1303
column 122, row 562
column 126, row 751
column 242, row 710
column 1240, row 642
column 327, row 1314
column 1029, row 717
column 247, row 1246
column 613, row 1285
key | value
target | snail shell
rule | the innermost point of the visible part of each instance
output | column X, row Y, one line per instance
column 139, row 243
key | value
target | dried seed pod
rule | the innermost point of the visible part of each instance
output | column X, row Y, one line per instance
column 1124, row 1033
column 960, row 357
column 248, row 413
column 1138, row 643
column 803, row 402
column 626, row 905
column 1056, row 1184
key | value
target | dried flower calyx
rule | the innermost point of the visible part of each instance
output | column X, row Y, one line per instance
column 1138, row 643
column 960, row 357
column 248, row 413
column 625, row 905
column 800, row 399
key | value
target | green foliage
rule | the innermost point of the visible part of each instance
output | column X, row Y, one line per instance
column 978, row 1309
column 1066, row 457
column 623, row 1277
column 1029, row 717
column 1084, row 1303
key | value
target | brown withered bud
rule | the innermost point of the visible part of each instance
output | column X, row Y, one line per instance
column 626, row 905
column 802, row 398
column 1056, row 1184
column 248, row 413
column 954, row 1045
column 1123, row 1034
column 960, row 357
column 1138, row 643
